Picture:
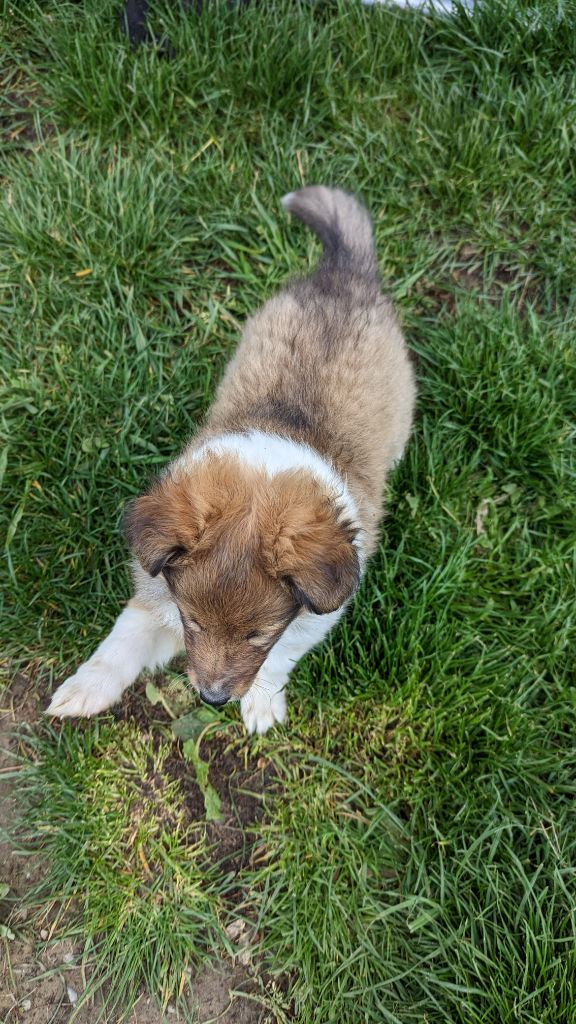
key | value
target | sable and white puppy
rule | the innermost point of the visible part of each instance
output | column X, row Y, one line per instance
column 248, row 546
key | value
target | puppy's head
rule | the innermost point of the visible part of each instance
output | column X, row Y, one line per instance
column 242, row 553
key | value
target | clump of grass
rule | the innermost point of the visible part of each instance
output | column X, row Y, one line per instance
column 426, row 875
column 121, row 850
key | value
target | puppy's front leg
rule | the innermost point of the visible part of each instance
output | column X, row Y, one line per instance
column 265, row 702
column 137, row 641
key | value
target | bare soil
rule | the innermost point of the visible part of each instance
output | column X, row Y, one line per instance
column 469, row 276
column 240, row 778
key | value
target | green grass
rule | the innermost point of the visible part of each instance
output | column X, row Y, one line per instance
column 419, row 859
column 126, row 848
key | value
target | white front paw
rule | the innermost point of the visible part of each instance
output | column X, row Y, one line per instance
column 261, row 709
column 93, row 688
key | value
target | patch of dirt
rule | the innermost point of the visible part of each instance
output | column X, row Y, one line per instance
column 39, row 984
column 213, row 1000
column 241, row 781
column 240, row 778
column 136, row 709
column 41, row 976
column 468, row 275
column 21, row 704
column 18, row 128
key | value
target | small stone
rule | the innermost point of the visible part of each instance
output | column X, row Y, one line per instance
column 170, row 1009
column 234, row 930
column 68, row 958
column 25, row 1004
column 245, row 954
column 44, row 933
column 244, row 957
column 72, row 995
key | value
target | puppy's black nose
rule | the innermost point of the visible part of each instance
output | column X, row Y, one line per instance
column 216, row 702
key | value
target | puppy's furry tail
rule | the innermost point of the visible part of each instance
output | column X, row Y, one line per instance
column 342, row 224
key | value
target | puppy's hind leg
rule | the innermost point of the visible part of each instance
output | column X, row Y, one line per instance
column 137, row 641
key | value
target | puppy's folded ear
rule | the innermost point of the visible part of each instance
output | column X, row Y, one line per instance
column 325, row 586
column 161, row 527
column 183, row 514
column 150, row 532
column 314, row 553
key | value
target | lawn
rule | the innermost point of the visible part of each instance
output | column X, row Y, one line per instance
column 404, row 850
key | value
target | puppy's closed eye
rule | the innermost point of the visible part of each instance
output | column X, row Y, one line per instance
column 257, row 639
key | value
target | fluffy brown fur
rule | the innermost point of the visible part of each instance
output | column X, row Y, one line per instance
column 325, row 362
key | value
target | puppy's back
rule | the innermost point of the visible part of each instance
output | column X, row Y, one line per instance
column 324, row 361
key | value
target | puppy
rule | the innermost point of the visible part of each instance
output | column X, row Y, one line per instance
column 248, row 546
